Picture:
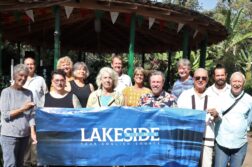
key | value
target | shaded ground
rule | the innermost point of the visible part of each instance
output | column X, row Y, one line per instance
column 247, row 162
column 248, row 159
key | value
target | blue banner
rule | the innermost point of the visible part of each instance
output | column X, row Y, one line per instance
column 119, row 136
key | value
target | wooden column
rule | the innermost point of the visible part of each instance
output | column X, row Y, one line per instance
column 143, row 59
column 80, row 55
column 56, row 35
column 169, row 53
column 203, row 48
column 131, row 46
column 38, row 56
column 84, row 57
column 189, row 53
column 19, row 51
column 185, row 43
column 1, row 46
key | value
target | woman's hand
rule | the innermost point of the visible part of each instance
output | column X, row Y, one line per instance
column 28, row 106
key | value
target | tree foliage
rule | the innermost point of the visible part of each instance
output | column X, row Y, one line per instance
column 232, row 52
column 190, row 4
column 235, row 52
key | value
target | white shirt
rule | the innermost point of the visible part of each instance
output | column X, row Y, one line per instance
column 231, row 129
column 123, row 81
column 185, row 101
column 38, row 87
column 218, row 93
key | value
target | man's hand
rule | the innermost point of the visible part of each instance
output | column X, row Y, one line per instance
column 213, row 112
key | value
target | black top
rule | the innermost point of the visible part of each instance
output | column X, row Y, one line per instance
column 81, row 92
column 65, row 102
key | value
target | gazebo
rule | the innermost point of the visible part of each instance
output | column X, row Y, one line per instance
column 134, row 26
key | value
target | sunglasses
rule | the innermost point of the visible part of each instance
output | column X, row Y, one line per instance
column 202, row 78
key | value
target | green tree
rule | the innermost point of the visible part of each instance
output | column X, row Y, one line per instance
column 238, row 24
column 190, row 4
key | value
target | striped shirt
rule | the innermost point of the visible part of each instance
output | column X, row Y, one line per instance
column 179, row 86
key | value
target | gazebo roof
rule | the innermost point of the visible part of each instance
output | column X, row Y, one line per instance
column 78, row 32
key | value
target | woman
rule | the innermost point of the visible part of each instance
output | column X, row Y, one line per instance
column 17, row 118
column 105, row 95
column 65, row 64
column 60, row 97
column 132, row 94
column 78, row 85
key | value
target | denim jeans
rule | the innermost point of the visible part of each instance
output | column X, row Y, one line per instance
column 13, row 150
column 234, row 156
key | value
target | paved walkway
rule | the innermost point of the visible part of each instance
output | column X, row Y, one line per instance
column 248, row 159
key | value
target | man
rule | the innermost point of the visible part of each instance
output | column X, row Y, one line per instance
column 196, row 98
column 158, row 98
column 36, row 84
column 123, row 79
column 220, row 86
column 231, row 128
column 185, row 81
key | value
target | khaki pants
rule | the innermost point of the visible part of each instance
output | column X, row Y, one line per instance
column 207, row 157
column 30, row 158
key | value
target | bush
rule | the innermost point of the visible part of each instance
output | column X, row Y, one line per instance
column 248, row 87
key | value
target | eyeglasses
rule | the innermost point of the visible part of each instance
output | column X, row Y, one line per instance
column 202, row 78
column 58, row 81
column 139, row 74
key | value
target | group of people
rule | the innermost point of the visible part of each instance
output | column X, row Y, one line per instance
column 228, row 110
column 227, row 106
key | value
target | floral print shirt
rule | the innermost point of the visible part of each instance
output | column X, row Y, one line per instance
column 164, row 100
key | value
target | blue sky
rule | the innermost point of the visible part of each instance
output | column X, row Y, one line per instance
column 208, row 4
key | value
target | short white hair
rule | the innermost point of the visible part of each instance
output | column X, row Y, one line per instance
column 200, row 69
column 20, row 68
column 184, row 62
column 240, row 74
column 109, row 71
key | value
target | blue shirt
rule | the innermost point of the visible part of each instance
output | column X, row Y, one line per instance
column 105, row 100
column 231, row 129
column 179, row 86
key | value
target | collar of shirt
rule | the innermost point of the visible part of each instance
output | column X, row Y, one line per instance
column 189, row 79
column 236, row 97
column 161, row 96
column 32, row 78
column 217, row 91
column 28, row 81
column 200, row 96
column 99, row 92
